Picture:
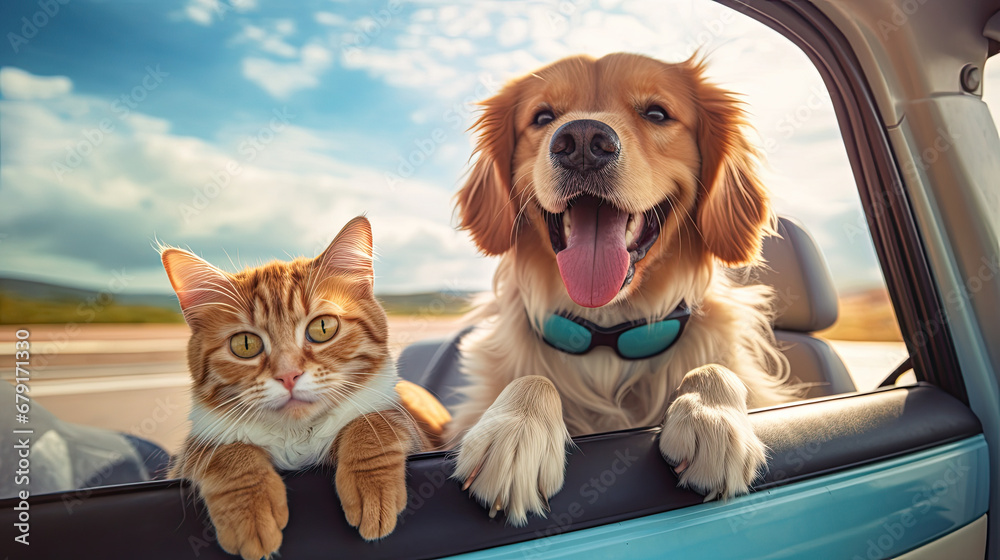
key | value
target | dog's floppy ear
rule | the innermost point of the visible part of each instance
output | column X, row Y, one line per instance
column 484, row 202
column 733, row 209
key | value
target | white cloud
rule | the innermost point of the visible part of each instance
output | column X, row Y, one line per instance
column 277, row 46
column 205, row 12
column 512, row 32
column 18, row 84
column 407, row 69
column 273, row 43
column 600, row 33
column 285, row 26
column 450, row 48
column 328, row 18
column 300, row 69
column 464, row 21
column 253, row 33
column 315, row 56
column 199, row 13
column 145, row 124
column 423, row 15
column 282, row 79
column 509, row 64
column 140, row 181
column 277, row 79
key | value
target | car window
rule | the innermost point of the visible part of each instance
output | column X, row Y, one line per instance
column 991, row 87
column 248, row 132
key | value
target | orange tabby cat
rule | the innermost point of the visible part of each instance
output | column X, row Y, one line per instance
column 291, row 369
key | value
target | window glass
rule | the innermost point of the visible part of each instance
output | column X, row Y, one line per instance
column 249, row 131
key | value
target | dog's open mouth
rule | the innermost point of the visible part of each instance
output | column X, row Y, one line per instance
column 597, row 246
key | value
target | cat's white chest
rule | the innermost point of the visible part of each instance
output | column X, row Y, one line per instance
column 297, row 447
column 294, row 445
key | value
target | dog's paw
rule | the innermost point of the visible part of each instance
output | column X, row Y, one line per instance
column 514, row 458
column 708, row 437
column 248, row 519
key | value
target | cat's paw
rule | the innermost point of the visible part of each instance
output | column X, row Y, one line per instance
column 708, row 437
column 249, row 517
column 372, row 498
column 514, row 458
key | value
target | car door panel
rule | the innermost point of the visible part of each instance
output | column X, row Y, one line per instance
column 876, row 511
column 816, row 448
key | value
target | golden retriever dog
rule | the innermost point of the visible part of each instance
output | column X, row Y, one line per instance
column 614, row 190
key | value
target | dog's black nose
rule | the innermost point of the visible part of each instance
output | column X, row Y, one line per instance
column 584, row 145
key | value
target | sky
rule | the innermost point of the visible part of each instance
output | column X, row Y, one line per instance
column 252, row 129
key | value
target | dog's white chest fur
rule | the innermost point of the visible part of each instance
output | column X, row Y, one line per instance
column 293, row 444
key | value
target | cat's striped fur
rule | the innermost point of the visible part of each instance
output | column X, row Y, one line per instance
column 298, row 402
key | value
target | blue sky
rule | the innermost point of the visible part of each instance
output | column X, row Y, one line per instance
column 254, row 129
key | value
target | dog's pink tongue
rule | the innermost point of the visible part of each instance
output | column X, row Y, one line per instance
column 595, row 261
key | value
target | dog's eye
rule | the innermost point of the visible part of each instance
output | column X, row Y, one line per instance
column 655, row 113
column 543, row 118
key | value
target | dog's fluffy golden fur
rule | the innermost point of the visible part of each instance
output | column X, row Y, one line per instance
column 695, row 173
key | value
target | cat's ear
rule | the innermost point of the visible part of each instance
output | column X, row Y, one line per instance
column 199, row 286
column 350, row 254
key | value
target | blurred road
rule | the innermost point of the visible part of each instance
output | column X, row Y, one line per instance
column 133, row 378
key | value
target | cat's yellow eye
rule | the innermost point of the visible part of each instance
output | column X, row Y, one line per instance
column 322, row 329
column 246, row 345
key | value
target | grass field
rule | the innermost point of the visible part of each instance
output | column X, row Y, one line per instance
column 19, row 311
column 867, row 316
column 19, row 308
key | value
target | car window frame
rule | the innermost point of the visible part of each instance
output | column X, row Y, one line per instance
column 901, row 253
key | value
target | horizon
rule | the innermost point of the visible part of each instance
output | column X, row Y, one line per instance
column 169, row 292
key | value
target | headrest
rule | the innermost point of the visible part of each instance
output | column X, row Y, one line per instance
column 805, row 299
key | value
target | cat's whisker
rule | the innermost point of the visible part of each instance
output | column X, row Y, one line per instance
column 242, row 394
column 362, row 414
column 225, row 417
column 391, row 398
column 232, row 426
column 221, row 290
column 232, row 309
column 391, row 427
column 227, row 291
column 217, row 439
column 206, row 443
column 203, row 273
column 337, row 309
column 228, row 256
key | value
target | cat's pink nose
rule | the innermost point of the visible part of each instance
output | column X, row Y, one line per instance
column 289, row 379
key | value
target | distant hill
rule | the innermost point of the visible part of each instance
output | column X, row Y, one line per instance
column 30, row 302
column 28, row 289
column 864, row 315
column 427, row 303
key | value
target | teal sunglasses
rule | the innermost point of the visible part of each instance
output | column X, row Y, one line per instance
column 633, row 340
